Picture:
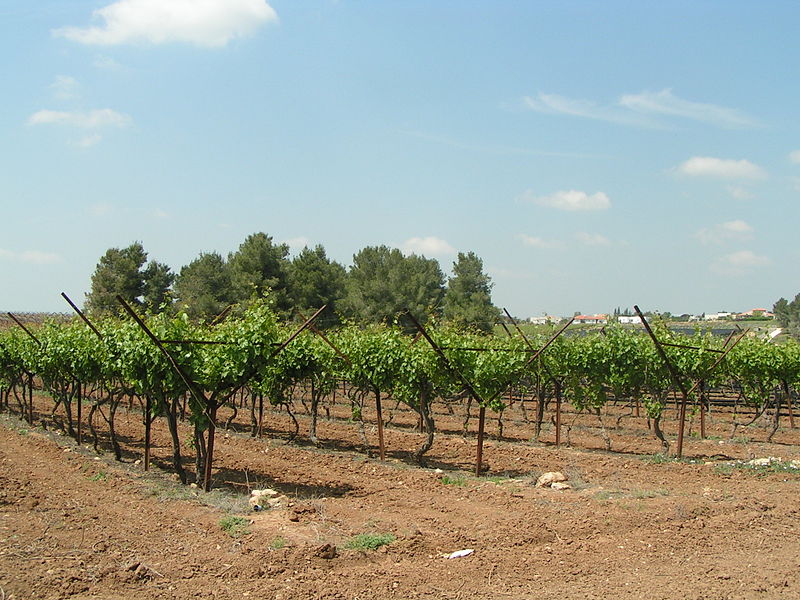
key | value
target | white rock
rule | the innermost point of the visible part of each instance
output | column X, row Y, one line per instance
column 548, row 479
column 560, row 485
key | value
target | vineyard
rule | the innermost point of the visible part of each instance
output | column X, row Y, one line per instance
column 253, row 360
column 341, row 420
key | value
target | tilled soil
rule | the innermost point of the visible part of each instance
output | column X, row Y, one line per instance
column 77, row 525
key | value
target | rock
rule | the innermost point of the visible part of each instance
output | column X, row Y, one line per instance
column 548, row 479
column 326, row 551
column 560, row 485
column 763, row 462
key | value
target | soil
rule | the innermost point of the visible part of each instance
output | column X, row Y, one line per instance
column 77, row 524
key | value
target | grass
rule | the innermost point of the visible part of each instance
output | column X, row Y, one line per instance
column 278, row 543
column 101, row 476
column 757, row 470
column 458, row 480
column 369, row 541
column 234, row 526
column 642, row 494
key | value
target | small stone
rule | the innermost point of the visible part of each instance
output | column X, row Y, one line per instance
column 560, row 485
column 548, row 479
column 326, row 551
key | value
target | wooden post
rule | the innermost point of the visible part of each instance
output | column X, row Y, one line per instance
column 479, row 452
column 381, row 447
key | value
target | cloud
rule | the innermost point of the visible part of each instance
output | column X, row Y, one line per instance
column 104, row 117
column 592, row 239
column 65, row 87
column 106, row 62
column 737, row 230
column 431, row 246
column 88, row 141
column 537, row 242
column 794, row 156
column 666, row 103
column 739, row 192
column 708, row 166
column 101, row 209
column 570, row 200
column 645, row 109
column 739, row 263
column 297, row 243
column 555, row 104
column 210, row 23
column 34, row 257
column 160, row 214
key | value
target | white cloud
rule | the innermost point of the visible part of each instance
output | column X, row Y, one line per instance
column 297, row 243
column 101, row 209
column 106, row 62
column 739, row 263
column 537, row 242
column 160, row 214
column 88, row 141
column 592, row 239
column 570, row 200
column 646, row 109
column 431, row 246
column 736, row 230
column 65, row 87
column 708, row 166
column 794, row 156
column 34, row 257
column 666, row 103
column 739, row 192
column 104, row 117
column 211, row 23
column 555, row 104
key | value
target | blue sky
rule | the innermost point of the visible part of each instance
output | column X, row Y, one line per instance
column 593, row 154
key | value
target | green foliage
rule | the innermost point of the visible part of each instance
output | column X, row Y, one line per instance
column 234, row 526
column 468, row 300
column 314, row 280
column 259, row 267
column 122, row 271
column 382, row 283
column 203, row 287
column 369, row 541
column 457, row 480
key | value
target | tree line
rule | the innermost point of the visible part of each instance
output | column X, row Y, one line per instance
column 381, row 283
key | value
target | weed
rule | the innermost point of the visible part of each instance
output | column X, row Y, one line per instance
column 234, row 526
column 278, row 543
column 458, row 480
column 777, row 466
column 101, row 476
column 642, row 494
column 369, row 541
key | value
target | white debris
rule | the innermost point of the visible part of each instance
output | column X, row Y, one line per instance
column 560, row 485
column 461, row 553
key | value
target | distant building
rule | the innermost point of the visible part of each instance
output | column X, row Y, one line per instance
column 591, row 319
column 544, row 320
column 718, row 316
column 629, row 320
column 755, row 312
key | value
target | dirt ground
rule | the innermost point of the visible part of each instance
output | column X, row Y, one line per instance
column 75, row 524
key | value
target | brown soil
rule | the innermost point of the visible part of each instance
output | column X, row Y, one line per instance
column 77, row 525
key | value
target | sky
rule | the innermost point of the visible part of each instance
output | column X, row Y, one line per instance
column 595, row 155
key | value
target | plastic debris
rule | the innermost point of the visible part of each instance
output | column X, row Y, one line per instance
column 461, row 553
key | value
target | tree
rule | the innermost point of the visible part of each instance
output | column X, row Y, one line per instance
column 158, row 279
column 118, row 272
column 788, row 315
column 468, row 300
column 203, row 287
column 383, row 283
column 314, row 280
column 259, row 267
